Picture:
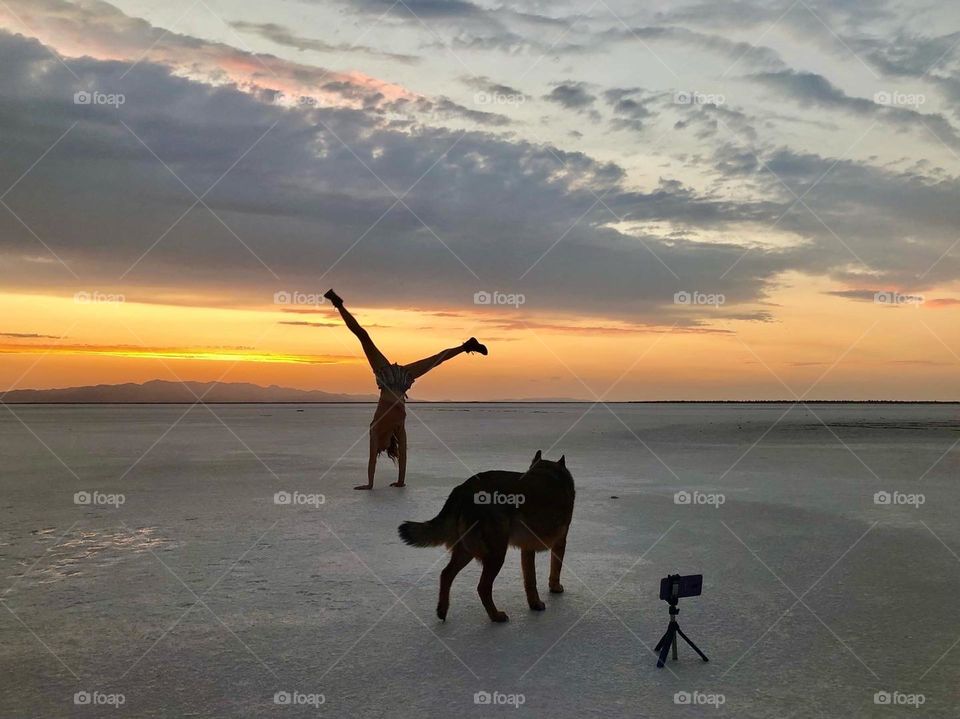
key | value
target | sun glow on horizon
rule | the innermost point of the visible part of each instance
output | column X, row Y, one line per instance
column 810, row 342
column 174, row 353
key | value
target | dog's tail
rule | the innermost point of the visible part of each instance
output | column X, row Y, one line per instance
column 422, row 534
column 442, row 529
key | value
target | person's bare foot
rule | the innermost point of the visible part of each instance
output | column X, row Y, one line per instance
column 333, row 297
column 472, row 345
column 397, row 484
column 364, row 486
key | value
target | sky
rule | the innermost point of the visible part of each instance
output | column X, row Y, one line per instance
column 749, row 199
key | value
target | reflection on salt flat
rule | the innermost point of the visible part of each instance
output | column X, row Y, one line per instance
column 86, row 548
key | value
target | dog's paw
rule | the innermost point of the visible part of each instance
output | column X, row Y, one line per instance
column 500, row 617
column 538, row 606
column 556, row 589
column 442, row 612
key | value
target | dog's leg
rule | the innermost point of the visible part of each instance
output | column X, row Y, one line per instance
column 556, row 562
column 459, row 558
column 492, row 563
column 528, row 561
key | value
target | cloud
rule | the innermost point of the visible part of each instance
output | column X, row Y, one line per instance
column 574, row 96
column 739, row 52
column 861, row 295
column 210, row 354
column 905, row 53
column 631, row 107
column 804, row 20
column 733, row 13
column 423, row 9
column 807, row 88
column 594, row 329
column 919, row 362
column 284, row 36
column 304, row 323
column 305, row 193
column 460, row 12
column 28, row 335
column 445, row 107
column 96, row 29
column 312, row 191
column 878, row 296
column 571, row 95
column 858, row 222
column 491, row 87
column 473, row 26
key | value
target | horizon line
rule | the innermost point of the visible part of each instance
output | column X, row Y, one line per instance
column 520, row 401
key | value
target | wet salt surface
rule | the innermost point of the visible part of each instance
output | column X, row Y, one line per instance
column 199, row 596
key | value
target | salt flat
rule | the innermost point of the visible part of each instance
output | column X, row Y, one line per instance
column 201, row 596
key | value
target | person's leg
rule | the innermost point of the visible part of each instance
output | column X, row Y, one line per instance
column 374, row 356
column 421, row 367
column 371, row 464
column 401, row 435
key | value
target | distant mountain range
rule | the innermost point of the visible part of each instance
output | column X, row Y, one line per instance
column 161, row 391
column 165, row 392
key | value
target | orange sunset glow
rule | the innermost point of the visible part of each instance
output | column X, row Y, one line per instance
column 814, row 350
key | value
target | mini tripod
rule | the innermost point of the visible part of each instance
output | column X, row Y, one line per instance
column 669, row 638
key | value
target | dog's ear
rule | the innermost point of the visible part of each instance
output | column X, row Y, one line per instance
column 563, row 461
column 536, row 457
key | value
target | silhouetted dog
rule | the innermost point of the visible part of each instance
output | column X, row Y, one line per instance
column 491, row 510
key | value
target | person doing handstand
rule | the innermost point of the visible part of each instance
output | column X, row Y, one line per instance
column 387, row 431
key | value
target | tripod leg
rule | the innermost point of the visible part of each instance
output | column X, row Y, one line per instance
column 664, row 646
column 690, row 642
